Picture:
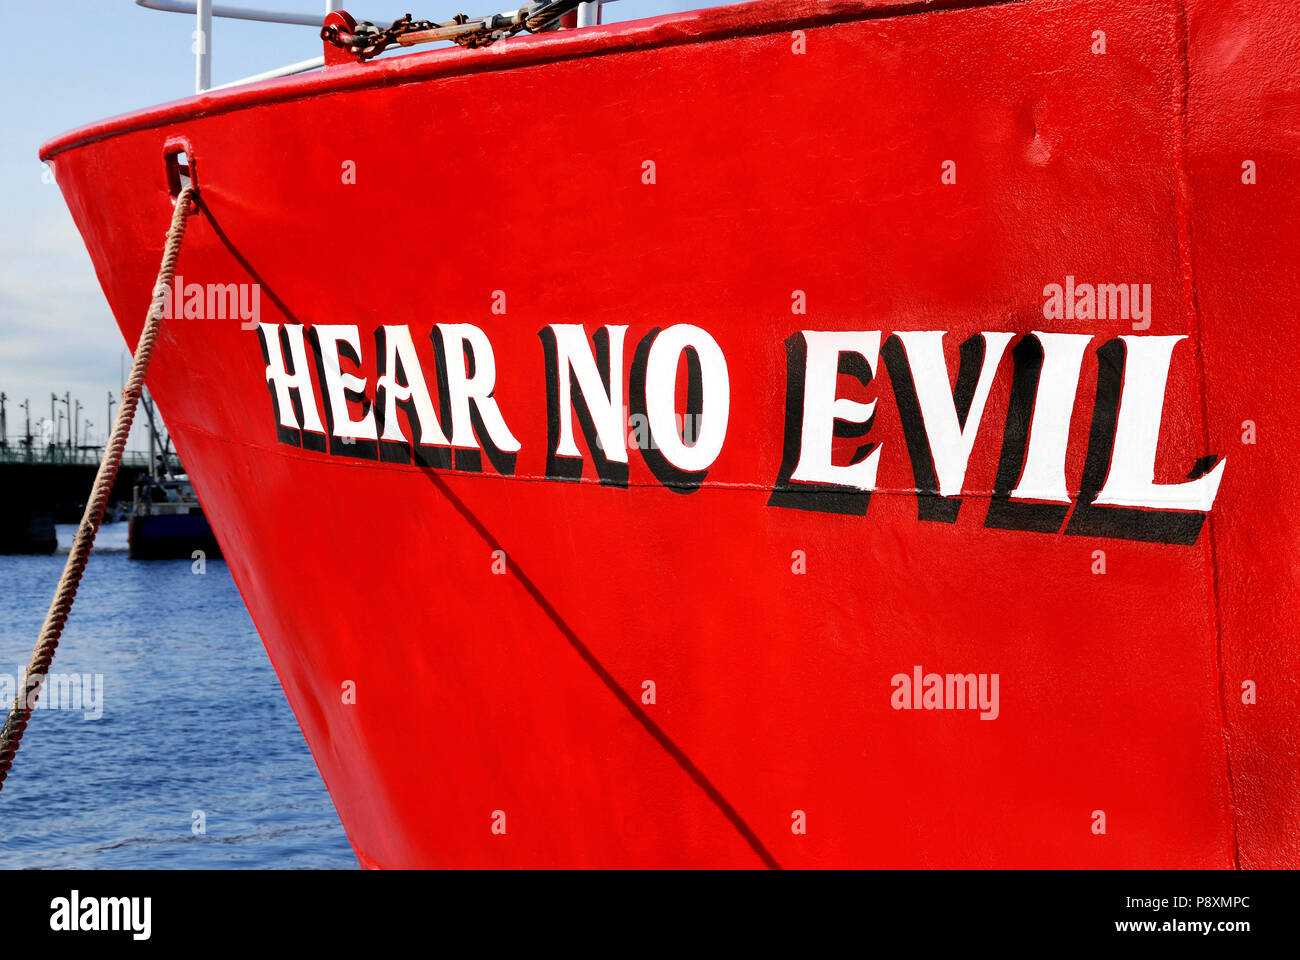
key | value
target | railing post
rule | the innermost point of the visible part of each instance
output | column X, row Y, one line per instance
column 589, row 14
column 202, row 45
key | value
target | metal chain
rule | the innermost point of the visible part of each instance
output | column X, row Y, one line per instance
column 368, row 41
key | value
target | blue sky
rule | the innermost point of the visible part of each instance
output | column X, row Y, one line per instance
column 69, row 62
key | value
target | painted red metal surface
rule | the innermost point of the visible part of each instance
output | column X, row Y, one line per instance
column 776, row 171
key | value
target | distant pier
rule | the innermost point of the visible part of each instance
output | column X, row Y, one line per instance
column 45, row 484
column 46, row 473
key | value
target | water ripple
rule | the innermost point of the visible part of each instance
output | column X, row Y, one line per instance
column 185, row 681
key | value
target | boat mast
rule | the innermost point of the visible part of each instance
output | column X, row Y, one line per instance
column 146, row 401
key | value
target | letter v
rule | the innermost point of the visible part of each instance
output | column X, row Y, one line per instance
column 949, row 418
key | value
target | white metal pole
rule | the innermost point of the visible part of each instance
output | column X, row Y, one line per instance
column 202, row 45
column 333, row 5
column 302, row 66
column 589, row 14
column 220, row 10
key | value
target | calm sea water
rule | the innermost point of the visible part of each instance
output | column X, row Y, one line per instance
column 193, row 719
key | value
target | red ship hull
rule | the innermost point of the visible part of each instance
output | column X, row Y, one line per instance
column 539, row 660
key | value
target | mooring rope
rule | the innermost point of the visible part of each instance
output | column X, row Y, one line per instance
column 25, row 700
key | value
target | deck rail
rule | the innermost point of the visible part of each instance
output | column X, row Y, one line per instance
column 61, row 455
